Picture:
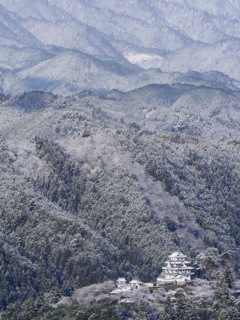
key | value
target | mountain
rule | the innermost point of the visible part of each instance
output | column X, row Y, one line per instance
column 119, row 144
column 196, row 110
column 94, row 186
column 173, row 36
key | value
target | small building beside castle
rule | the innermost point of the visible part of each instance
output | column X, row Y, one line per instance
column 124, row 286
column 121, row 282
column 176, row 271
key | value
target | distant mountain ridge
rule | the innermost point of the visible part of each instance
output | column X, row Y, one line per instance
column 173, row 36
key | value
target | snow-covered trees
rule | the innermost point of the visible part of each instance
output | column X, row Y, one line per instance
column 85, row 197
column 225, row 306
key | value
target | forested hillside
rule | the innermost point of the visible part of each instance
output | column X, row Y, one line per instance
column 90, row 192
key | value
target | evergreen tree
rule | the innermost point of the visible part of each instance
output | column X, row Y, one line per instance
column 229, row 276
column 169, row 312
column 185, row 309
column 224, row 304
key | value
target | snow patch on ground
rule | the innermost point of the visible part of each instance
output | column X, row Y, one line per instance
column 86, row 295
column 145, row 60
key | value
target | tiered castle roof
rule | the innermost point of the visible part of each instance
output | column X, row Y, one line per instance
column 177, row 269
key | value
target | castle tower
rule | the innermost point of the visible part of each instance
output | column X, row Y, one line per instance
column 177, row 270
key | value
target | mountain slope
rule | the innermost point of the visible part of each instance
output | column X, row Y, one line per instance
column 88, row 194
column 11, row 29
column 173, row 36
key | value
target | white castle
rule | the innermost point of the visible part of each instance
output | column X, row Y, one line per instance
column 177, row 270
